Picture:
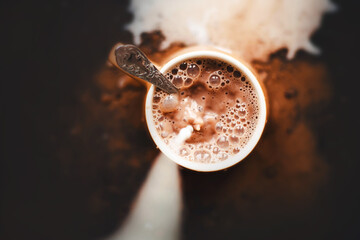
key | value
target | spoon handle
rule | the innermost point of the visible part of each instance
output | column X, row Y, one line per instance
column 133, row 61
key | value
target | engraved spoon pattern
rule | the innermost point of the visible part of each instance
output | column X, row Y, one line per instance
column 133, row 61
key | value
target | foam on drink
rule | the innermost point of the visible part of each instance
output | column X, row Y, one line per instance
column 216, row 100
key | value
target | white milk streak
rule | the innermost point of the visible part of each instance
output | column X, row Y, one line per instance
column 251, row 29
column 184, row 134
column 156, row 213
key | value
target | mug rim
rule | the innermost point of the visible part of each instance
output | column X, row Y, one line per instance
column 254, row 139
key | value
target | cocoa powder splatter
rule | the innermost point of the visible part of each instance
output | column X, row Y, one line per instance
column 284, row 173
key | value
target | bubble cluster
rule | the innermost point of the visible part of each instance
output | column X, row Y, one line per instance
column 223, row 142
column 214, row 80
column 202, row 156
column 169, row 103
column 226, row 102
column 193, row 70
column 178, row 81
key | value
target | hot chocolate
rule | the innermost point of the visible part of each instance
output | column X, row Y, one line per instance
column 217, row 100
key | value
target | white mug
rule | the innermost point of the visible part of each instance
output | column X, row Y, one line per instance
column 216, row 54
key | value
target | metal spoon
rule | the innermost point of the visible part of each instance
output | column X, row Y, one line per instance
column 134, row 62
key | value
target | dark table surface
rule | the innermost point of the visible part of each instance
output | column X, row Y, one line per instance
column 66, row 172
